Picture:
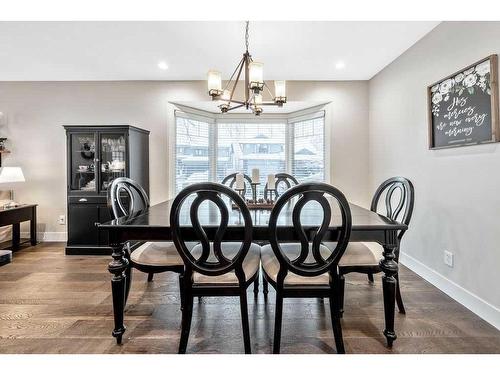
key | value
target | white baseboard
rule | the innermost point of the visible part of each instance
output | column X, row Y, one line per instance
column 48, row 236
column 474, row 303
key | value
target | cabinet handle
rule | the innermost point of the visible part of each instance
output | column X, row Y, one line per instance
column 82, row 200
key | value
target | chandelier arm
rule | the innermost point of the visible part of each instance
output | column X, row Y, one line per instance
column 252, row 98
column 247, row 59
column 237, row 79
column 238, row 102
column 232, row 75
column 268, row 103
column 235, row 107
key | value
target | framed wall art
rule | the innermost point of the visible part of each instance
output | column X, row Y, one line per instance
column 463, row 107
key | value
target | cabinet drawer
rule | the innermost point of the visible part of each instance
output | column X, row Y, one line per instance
column 87, row 200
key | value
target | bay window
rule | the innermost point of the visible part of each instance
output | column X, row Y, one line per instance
column 210, row 148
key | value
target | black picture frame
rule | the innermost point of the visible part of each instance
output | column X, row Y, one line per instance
column 473, row 83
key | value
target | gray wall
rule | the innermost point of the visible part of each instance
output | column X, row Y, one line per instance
column 36, row 112
column 457, row 190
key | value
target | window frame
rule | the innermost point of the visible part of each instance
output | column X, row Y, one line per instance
column 214, row 119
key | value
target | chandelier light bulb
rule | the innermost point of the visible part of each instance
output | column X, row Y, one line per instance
column 258, row 99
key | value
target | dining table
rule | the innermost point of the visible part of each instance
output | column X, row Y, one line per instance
column 153, row 224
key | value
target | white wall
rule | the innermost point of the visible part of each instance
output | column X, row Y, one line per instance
column 36, row 112
column 457, row 190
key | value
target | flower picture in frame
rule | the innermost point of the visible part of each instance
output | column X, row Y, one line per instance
column 463, row 107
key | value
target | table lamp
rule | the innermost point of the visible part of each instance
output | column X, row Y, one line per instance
column 9, row 177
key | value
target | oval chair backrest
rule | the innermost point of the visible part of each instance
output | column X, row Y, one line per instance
column 310, row 261
column 282, row 179
column 398, row 207
column 211, row 261
column 230, row 180
column 126, row 197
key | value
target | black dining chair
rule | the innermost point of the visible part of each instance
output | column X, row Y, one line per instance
column 230, row 180
column 398, row 197
column 214, row 267
column 283, row 180
column 306, row 268
column 127, row 198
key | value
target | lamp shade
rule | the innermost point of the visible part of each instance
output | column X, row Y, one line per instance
column 256, row 74
column 11, row 175
column 280, row 89
column 214, row 81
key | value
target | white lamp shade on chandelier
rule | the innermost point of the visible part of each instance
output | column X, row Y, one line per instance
column 256, row 74
column 280, row 89
column 214, row 81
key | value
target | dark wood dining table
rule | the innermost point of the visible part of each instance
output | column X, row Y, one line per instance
column 153, row 224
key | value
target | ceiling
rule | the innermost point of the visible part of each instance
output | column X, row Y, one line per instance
column 88, row 51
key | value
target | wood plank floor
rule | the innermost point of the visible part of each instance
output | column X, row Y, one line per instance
column 52, row 303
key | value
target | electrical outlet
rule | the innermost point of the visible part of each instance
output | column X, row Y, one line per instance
column 62, row 220
column 448, row 258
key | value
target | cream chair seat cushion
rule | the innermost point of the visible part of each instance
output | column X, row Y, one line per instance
column 362, row 254
column 271, row 266
column 229, row 249
column 156, row 254
column 356, row 253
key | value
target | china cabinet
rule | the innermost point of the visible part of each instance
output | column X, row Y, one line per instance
column 95, row 156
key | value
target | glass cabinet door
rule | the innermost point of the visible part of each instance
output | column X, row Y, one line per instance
column 83, row 162
column 113, row 158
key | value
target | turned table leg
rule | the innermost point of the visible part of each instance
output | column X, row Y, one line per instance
column 117, row 268
column 390, row 269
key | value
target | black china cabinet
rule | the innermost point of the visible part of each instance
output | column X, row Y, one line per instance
column 95, row 156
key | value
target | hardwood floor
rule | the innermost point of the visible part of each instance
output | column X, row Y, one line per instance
column 52, row 303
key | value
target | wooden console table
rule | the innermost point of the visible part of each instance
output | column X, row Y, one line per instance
column 15, row 216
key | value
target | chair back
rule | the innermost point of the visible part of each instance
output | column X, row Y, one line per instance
column 230, row 180
column 398, row 195
column 211, row 261
column 311, row 261
column 282, row 179
column 126, row 197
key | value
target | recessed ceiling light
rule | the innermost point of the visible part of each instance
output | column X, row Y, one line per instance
column 340, row 65
column 163, row 65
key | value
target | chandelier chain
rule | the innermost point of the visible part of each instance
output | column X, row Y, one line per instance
column 246, row 35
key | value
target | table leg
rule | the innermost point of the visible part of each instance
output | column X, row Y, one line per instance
column 16, row 235
column 390, row 268
column 118, row 283
column 33, row 227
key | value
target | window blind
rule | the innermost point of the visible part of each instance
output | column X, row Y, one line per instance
column 192, row 151
column 308, row 149
column 209, row 150
column 242, row 146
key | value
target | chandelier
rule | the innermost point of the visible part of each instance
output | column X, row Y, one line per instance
column 254, row 86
